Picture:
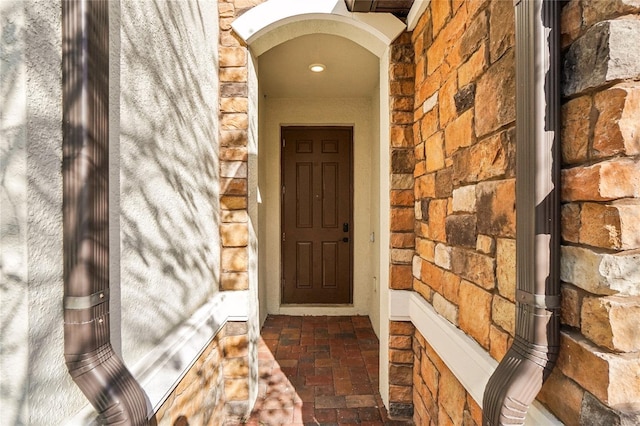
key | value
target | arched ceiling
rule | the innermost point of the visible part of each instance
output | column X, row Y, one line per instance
column 351, row 70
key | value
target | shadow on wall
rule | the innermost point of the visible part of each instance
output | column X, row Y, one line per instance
column 31, row 211
column 168, row 167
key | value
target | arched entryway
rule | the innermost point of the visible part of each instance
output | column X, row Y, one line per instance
column 274, row 32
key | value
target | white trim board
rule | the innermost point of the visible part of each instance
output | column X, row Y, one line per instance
column 466, row 359
column 160, row 371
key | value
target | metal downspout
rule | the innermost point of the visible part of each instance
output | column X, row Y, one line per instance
column 90, row 358
column 521, row 373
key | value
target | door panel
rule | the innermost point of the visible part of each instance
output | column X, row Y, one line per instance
column 316, row 213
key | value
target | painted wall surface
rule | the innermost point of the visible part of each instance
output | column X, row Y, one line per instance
column 36, row 388
column 282, row 112
column 168, row 166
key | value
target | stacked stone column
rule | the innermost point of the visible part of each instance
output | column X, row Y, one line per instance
column 598, row 369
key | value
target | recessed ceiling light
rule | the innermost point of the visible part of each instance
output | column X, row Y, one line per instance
column 317, row 67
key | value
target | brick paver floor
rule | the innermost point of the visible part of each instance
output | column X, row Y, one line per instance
column 319, row 371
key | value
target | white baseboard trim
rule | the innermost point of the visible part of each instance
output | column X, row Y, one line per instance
column 466, row 359
column 160, row 371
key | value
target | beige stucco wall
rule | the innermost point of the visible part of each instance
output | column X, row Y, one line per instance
column 168, row 168
column 347, row 112
column 36, row 388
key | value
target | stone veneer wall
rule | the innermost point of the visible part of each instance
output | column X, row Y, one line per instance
column 464, row 137
column 598, row 371
column 218, row 378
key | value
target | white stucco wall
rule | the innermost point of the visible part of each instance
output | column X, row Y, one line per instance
column 36, row 388
column 168, row 168
column 347, row 112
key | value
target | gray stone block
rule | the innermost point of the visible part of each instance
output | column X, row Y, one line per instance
column 607, row 52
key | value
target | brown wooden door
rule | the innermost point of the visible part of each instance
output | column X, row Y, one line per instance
column 317, row 225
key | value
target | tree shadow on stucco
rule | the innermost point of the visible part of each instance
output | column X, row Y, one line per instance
column 168, row 167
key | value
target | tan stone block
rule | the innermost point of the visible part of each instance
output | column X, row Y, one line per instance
column 612, row 322
column 400, row 374
column 400, row 342
column 233, row 202
column 503, row 313
column 451, row 287
column 502, row 34
column 440, row 12
column 495, row 96
column 445, row 308
column 232, row 186
column 570, row 222
column 617, row 129
column 403, row 197
column 233, row 74
column 233, row 138
column 233, row 169
column 459, row 133
column 506, row 268
column 451, row 396
column 499, row 342
column 596, row 11
column 425, row 186
column 474, row 314
column 234, row 216
column 474, row 267
column 475, row 36
column 402, row 103
column 234, row 234
column 431, row 275
column 236, row 389
column 403, row 394
column 614, row 226
column 570, row 22
column 575, row 129
column 401, row 277
column 401, row 356
column 496, row 208
column 419, row 169
column 434, row 152
column 571, row 305
column 493, row 157
column 236, row 346
column 229, row 38
column 401, row 136
column 430, row 375
column 446, row 103
column 233, row 154
column 485, row 244
column 608, row 180
column 402, row 181
column 429, row 124
column 437, row 216
column 419, row 152
column 236, row 368
column 464, row 199
column 234, row 281
column 234, row 259
column 403, row 240
column 401, row 117
column 426, row 249
column 234, row 121
column 469, row 71
column 402, row 219
column 613, row 379
column 401, row 256
column 234, row 105
column 567, row 408
column 403, row 328
column 232, row 56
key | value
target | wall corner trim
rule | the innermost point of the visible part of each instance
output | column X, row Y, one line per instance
column 418, row 8
column 466, row 359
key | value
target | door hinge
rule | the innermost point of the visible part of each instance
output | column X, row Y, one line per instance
column 283, row 189
column 284, row 143
column 283, row 238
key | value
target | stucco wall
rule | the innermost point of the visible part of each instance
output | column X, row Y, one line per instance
column 36, row 388
column 169, row 237
column 356, row 112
